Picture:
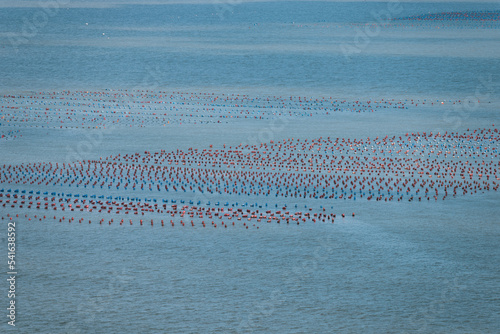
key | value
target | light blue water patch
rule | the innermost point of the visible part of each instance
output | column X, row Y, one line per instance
column 370, row 274
column 302, row 44
column 396, row 267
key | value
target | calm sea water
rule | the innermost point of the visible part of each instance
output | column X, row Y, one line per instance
column 246, row 46
column 432, row 271
column 396, row 267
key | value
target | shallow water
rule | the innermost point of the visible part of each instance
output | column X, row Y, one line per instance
column 424, row 267
column 432, row 270
column 250, row 46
